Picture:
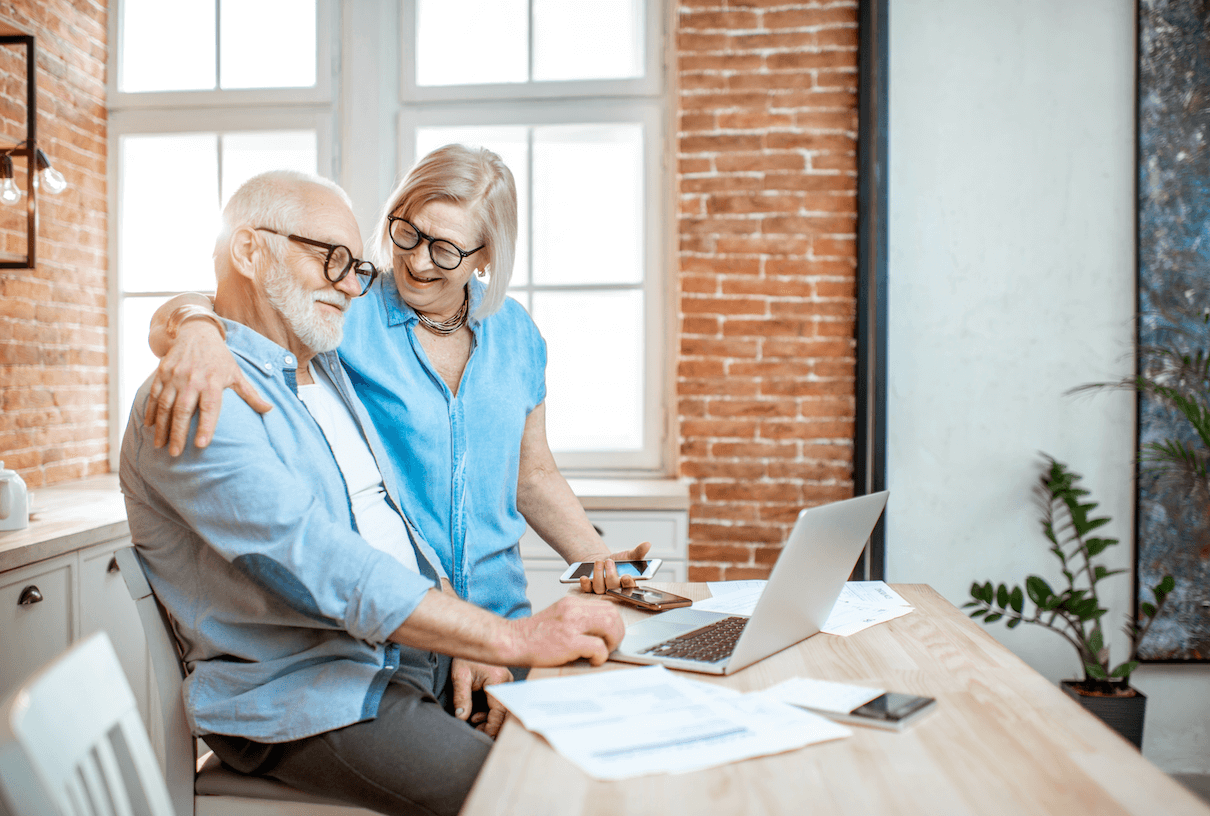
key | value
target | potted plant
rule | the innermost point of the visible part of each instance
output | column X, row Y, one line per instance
column 1074, row 610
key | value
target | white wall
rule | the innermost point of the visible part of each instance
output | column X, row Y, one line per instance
column 1011, row 280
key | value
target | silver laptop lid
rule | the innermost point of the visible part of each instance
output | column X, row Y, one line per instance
column 811, row 570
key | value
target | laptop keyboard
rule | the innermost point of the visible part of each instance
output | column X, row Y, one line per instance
column 709, row 644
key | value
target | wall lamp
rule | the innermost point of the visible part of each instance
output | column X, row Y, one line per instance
column 47, row 178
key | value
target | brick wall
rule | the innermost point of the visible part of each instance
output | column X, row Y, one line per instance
column 767, row 191
column 53, row 357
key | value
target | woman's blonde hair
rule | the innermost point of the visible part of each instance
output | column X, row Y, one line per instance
column 471, row 177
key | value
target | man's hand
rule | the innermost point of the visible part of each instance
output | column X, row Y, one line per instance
column 571, row 629
column 192, row 377
column 468, row 677
column 605, row 572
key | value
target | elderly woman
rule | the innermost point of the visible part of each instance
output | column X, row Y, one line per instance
column 451, row 371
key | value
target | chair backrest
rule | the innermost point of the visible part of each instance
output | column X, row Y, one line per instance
column 72, row 742
column 180, row 748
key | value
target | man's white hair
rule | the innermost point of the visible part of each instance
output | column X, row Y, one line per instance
column 274, row 200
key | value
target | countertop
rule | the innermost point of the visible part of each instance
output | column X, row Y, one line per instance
column 67, row 517
column 74, row 515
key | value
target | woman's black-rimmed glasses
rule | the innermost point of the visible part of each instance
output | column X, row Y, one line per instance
column 446, row 255
column 338, row 257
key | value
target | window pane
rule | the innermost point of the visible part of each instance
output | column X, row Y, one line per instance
column 512, row 145
column 594, row 369
column 588, row 39
column 588, row 204
column 137, row 360
column 246, row 154
column 268, row 44
column 467, row 42
column 167, row 46
column 168, row 247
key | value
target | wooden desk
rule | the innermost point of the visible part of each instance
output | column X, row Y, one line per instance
column 1003, row 740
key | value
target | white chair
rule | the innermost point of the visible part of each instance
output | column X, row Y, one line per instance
column 72, row 742
column 206, row 788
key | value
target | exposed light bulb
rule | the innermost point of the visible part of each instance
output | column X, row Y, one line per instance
column 52, row 179
column 10, row 193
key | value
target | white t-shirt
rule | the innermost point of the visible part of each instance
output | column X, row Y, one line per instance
column 377, row 521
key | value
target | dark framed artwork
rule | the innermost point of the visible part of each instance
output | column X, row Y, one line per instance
column 1173, row 524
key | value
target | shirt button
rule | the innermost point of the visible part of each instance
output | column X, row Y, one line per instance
column 268, row 366
column 288, row 360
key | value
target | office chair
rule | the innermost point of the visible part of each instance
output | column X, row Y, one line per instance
column 72, row 742
column 208, row 788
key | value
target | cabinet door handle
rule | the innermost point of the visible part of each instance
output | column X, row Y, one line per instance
column 113, row 565
column 29, row 596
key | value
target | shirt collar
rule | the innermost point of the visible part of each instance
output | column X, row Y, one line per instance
column 268, row 357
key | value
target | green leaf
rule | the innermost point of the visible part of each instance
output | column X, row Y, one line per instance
column 1002, row 596
column 1038, row 590
column 1097, row 642
column 1167, row 585
column 978, row 613
column 1096, row 546
column 1016, row 599
column 1102, row 572
column 1093, row 670
column 993, row 617
column 1125, row 669
column 1148, row 609
column 1014, row 623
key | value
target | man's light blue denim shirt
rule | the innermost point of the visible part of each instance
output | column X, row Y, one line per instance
column 459, row 454
column 281, row 609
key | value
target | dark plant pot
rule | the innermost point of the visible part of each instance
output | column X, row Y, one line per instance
column 1122, row 714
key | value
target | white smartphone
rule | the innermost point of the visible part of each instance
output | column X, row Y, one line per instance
column 638, row 570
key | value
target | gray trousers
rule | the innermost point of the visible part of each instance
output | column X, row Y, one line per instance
column 413, row 758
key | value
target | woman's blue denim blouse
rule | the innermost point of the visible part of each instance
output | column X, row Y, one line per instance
column 459, row 454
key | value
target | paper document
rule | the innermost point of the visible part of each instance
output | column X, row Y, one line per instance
column 822, row 695
column 861, row 604
column 633, row 722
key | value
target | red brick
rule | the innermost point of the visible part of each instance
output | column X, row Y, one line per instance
column 694, row 347
column 719, row 428
column 720, row 143
column 728, row 62
column 713, row 387
column 810, row 141
column 746, row 573
column 712, row 469
column 750, row 162
column 698, row 572
column 714, row 184
column 723, row 101
column 809, row 17
column 767, row 286
column 828, row 429
column 716, row 20
column 831, row 247
column 755, row 449
column 753, row 491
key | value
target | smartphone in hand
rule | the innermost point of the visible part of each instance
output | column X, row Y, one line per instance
column 638, row 570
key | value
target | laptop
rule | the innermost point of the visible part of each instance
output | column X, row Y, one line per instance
column 810, row 572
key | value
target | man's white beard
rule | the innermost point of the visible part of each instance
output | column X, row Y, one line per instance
column 314, row 328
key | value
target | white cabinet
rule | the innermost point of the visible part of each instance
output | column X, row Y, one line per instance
column 46, row 606
column 667, row 530
column 37, row 616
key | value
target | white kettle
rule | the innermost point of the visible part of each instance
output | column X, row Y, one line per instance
column 14, row 501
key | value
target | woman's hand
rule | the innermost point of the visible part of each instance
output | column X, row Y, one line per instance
column 192, row 377
column 605, row 573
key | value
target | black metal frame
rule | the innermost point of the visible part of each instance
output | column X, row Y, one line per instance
column 28, row 151
column 869, row 438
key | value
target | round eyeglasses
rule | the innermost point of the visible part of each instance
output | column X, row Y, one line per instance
column 339, row 257
column 445, row 254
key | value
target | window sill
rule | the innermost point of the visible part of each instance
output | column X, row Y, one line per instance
column 631, row 494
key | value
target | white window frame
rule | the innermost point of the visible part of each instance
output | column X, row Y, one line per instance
column 208, row 111
column 642, row 100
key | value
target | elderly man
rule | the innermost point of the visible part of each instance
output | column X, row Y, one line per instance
column 313, row 618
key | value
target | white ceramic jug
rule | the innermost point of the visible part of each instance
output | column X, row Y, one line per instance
column 14, row 502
